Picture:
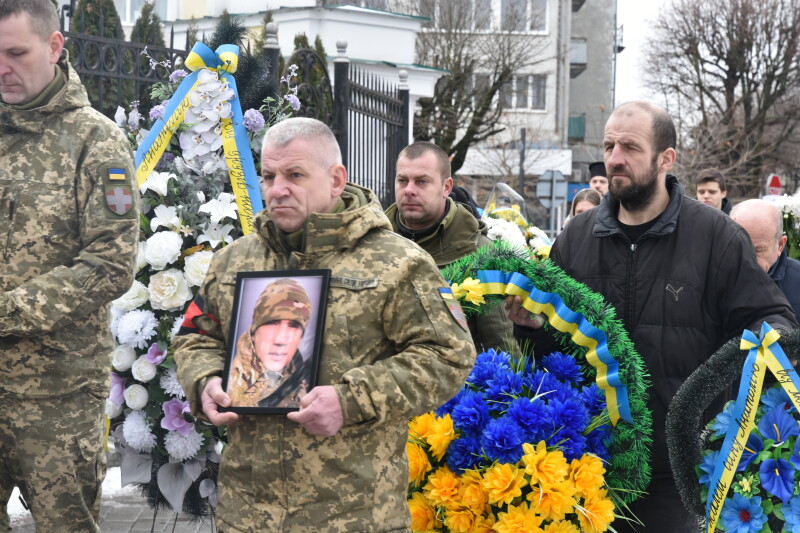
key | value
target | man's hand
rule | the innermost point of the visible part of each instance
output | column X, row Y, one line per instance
column 521, row 316
column 213, row 396
column 320, row 412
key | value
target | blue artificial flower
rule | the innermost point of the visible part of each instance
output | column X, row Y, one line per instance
column 707, row 467
column 791, row 513
column 594, row 399
column 751, row 450
column 448, row 406
column 723, row 420
column 532, row 416
column 471, row 413
column 562, row 392
column 564, row 367
column 777, row 424
column 742, row 515
column 502, row 440
column 795, row 458
column 571, row 443
column 777, row 477
column 464, row 453
column 541, row 383
column 504, row 386
column 598, row 441
column 487, row 364
column 777, row 395
column 570, row 413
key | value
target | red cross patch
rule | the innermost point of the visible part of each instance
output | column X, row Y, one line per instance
column 119, row 199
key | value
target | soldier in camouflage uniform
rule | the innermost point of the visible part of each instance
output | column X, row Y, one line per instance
column 280, row 317
column 392, row 349
column 444, row 228
column 69, row 226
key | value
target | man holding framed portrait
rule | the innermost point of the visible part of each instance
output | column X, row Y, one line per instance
column 390, row 348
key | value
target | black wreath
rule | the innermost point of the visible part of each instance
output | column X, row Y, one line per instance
column 685, row 436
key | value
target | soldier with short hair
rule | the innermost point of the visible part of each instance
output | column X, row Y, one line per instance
column 395, row 345
column 70, row 222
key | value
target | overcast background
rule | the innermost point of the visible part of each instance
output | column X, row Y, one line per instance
column 635, row 17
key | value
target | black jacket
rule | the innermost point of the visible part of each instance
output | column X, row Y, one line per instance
column 689, row 283
column 786, row 273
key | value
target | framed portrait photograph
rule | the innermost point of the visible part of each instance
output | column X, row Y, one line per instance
column 275, row 340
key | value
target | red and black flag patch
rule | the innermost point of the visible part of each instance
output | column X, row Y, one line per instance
column 195, row 316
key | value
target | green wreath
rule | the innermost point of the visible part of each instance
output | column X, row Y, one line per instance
column 629, row 468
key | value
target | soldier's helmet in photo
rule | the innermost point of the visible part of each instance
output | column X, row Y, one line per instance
column 284, row 299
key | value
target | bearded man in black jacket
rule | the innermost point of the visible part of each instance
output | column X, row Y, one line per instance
column 682, row 276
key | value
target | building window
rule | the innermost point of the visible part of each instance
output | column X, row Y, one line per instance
column 457, row 14
column 538, row 15
column 512, row 15
column 521, row 92
column 527, row 91
column 539, row 92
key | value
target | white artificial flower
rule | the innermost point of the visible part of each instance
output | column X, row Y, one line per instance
column 500, row 229
column 136, row 396
column 113, row 409
column 162, row 248
column 181, row 448
column 135, row 328
column 221, row 207
column 142, row 370
column 193, row 144
column 157, row 182
column 123, row 357
column 141, row 262
column 169, row 290
column 196, row 267
column 137, row 432
column 120, row 118
column 176, row 326
column 166, row 216
column 133, row 298
column 169, row 382
column 214, row 234
column 201, row 196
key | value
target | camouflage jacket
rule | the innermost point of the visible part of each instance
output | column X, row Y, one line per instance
column 65, row 253
column 391, row 348
column 459, row 234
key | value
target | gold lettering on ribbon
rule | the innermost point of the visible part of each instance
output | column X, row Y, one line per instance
column 160, row 143
column 237, row 176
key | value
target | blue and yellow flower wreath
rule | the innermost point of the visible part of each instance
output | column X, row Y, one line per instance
column 585, row 322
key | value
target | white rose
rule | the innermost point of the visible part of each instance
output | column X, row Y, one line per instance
column 136, row 296
column 169, row 290
column 113, row 409
column 162, row 248
column 196, row 267
column 136, row 396
column 143, row 370
column 123, row 357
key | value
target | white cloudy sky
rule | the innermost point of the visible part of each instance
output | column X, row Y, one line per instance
column 634, row 17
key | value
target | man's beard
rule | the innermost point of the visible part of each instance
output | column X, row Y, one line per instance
column 641, row 191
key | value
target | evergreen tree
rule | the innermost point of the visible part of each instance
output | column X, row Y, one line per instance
column 99, row 18
column 148, row 30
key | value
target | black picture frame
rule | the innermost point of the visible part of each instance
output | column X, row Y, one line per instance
column 275, row 300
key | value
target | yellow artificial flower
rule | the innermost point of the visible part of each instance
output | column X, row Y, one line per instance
column 587, row 474
column 459, row 519
column 544, row 467
column 596, row 513
column 420, row 425
column 503, row 482
column 418, row 462
column 554, row 501
column 423, row 514
column 442, row 487
column 440, row 434
column 470, row 290
column 471, row 493
column 483, row 524
column 519, row 519
column 561, row 526
column 544, row 250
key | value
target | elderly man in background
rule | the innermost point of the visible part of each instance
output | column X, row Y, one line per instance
column 763, row 221
column 70, row 222
column 394, row 347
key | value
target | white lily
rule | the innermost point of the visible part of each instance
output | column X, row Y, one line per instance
column 157, row 182
column 166, row 216
column 222, row 207
column 215, row 233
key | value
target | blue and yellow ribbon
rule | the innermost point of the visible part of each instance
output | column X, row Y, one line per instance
column 568, row 321
column 764, row 353
column 238, row 157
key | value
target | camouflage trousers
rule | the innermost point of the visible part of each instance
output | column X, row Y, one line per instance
column 52, row 449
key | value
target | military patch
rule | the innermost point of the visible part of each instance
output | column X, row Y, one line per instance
column 452, row 304
column 117, row 174
column 119, row 199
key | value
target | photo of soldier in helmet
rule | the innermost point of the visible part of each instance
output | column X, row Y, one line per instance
column 268, row 369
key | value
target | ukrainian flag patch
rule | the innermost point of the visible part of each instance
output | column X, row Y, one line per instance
column 116, row 174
